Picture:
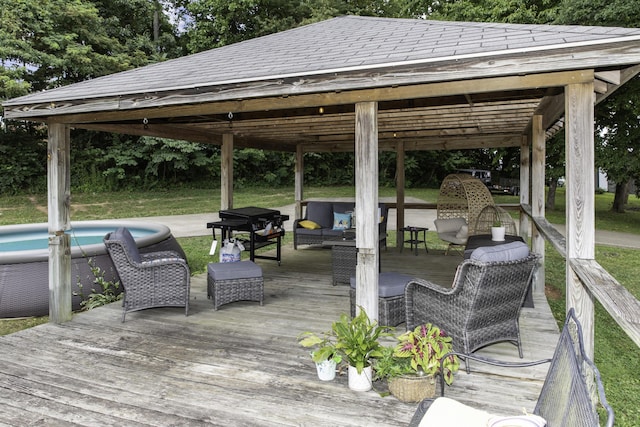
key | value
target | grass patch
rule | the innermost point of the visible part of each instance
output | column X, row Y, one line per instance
column 628, row 222
column 616, row 355
column 620, row 374
column 9, row 326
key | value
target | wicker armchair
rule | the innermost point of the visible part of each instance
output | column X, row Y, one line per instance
column 481, row 308
column 157, row 279
column 572, row 392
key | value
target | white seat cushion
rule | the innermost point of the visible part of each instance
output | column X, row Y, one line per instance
column 445, row 412
column 447, row 225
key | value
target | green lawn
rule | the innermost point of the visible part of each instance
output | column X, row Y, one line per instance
column 617, row 356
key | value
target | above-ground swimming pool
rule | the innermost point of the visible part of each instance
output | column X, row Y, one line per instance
column 24, row 259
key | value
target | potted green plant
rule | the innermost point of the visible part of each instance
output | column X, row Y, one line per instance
column 357, row 339
column 324, row 353
column 388, row 366
column 497, row 230
column 411, row 367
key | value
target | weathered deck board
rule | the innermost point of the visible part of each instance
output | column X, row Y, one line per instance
column 240, row 365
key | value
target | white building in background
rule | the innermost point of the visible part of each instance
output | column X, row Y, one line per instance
column 601, row 180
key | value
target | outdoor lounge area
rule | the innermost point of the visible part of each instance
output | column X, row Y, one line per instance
column 486, row 86
column 241, row 364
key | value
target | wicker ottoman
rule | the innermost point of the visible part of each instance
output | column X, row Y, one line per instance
column 343, row 263
column 391, row 307
column 229, row 282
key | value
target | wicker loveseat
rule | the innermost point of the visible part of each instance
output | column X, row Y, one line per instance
column 156, row 279
column 571, row 394
column 318, row 222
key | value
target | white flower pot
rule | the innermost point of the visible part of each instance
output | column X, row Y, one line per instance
column 326, row 370
column 360, row 381
column 497, row 234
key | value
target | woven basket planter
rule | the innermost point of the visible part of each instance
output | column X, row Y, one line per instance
column 412, row 388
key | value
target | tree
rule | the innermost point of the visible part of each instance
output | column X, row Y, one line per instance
column 618, row 137
column 619, row 13
column 215, row 23
column 324, row 9
column 22, row 159
column 508, row 11
column 46, row 44
column 618, row 133
column 58, row 42
column 555, row 155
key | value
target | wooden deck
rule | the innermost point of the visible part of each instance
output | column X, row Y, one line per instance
column 240, row 365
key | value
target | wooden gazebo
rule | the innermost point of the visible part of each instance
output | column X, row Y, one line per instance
column 367, row 84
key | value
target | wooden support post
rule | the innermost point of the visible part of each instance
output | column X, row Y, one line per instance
column 580, row 206
column 59, row 195
column 299, row 181
column 367, row 242
column 399, row 193
column 525, row 183
column 537, row 195
column 226, row 172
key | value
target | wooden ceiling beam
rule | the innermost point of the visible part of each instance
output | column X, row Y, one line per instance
column 428, row 122
column 160, row 131
column 422, row 144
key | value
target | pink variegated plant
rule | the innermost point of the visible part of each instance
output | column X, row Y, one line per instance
column 426, row 346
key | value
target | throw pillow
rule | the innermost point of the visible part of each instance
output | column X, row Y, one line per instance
column 309, row 225
column 341, row 221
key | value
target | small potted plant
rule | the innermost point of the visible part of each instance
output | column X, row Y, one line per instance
column 357, row 340
column 497, row 230
column 415, row 361
column 324, row 353
column 388, row 366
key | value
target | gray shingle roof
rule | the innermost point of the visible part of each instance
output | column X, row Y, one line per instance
column 336, row 45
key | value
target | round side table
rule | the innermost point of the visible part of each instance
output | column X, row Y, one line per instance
column 414, row 238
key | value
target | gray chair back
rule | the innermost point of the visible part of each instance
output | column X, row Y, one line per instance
column 123, row 237
column 481, row 308
column 573, row 388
